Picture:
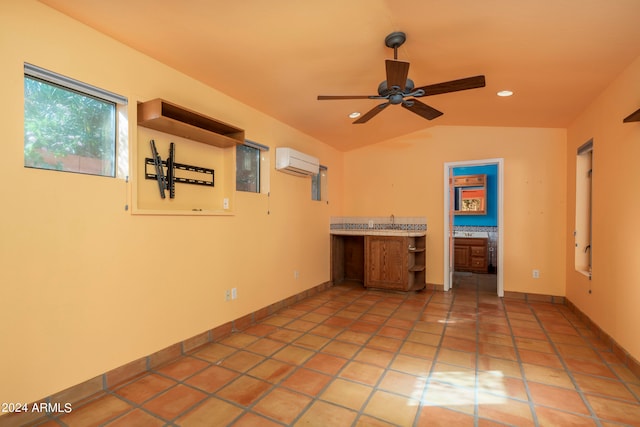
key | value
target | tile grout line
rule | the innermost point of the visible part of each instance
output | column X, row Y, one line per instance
column 570, row 373
column 525, row 381
column 397, row 352
column 297, row 367
column 148, row 371
column 131, row 403
column 577, row 388
column 273, row 386
column 374, row 388
column 348, row 300
column 423, row 397
column 360, row 412
column 476, row 406
column 316, row 398
column 603, row 360
column 244, row 409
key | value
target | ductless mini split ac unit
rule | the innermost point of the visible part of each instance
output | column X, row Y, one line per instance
column 296, row 163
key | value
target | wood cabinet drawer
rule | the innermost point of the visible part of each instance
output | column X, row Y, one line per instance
column 477, row 262
column 478, row 251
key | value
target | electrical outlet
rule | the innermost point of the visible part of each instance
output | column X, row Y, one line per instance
column 234, row 293
column 536, row 274
column 227, row 295
column 371, row 224
column 296, row 274
column 225, row 203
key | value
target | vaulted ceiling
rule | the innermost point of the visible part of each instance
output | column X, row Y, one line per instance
column 279, row 55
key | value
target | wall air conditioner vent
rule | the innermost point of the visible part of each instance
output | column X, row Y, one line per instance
column 296, row 163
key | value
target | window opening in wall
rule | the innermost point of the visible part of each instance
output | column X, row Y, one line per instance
column 584, row 210
column 319, row 185
column 69, row 125
column 251, row 169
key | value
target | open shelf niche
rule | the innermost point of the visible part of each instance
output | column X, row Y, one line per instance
column 199, row 141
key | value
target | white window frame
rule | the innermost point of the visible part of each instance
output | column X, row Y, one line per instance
column 319, row 187
column 583, row 237
column 263, row 167
column 121, row 156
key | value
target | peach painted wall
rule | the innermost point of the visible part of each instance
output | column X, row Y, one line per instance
column 405, row 177
column 615, row 285
column 86, row 286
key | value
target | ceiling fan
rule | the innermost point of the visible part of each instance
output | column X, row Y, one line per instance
column 399, row 89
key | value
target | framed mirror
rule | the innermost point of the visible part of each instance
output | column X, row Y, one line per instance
column 470, row 193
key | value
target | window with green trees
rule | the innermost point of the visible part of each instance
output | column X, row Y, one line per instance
column 66, row 128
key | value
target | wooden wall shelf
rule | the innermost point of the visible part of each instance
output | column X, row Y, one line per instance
column 199, row 140
column 170, row 118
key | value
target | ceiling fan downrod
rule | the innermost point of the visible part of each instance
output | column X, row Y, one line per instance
column 394, row 41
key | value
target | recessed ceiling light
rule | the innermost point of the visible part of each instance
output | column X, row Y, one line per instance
column 354, row 115
column 505, row 93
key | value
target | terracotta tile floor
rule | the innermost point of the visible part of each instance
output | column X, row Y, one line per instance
column 356, row 357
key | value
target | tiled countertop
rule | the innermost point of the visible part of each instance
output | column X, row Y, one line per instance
column 365, row 232
column 379, row 226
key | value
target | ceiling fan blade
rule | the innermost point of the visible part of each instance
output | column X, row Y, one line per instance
column 326, row 97
column 371, row 113
column 453, row 86
column 397, row 73
column 421, row 109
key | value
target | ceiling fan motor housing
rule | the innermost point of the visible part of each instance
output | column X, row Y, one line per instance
column 383, row 90
column 396, row 98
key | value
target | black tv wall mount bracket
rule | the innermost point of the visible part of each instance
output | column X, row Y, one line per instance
column 166, row 180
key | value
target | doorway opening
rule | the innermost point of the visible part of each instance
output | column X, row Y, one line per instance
column 495, row 241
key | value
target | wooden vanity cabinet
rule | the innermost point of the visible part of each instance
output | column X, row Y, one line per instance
column 470, row 254
column 380, row 262
column 394, row 262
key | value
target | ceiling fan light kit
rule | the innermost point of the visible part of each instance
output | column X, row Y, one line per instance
column 398, row 88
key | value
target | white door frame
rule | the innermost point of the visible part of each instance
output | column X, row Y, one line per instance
column 448, row 272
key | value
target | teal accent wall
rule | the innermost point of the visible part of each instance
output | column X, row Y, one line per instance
column 491, row 217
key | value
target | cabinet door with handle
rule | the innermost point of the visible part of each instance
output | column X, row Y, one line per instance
column 461, row 256
column 386, row 262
